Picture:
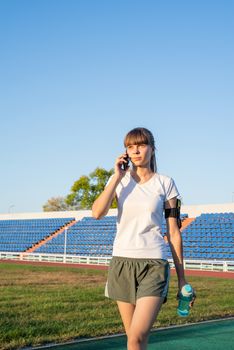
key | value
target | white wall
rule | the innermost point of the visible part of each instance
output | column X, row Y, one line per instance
column 191, row 210
column 196, row 210
column 79, row 214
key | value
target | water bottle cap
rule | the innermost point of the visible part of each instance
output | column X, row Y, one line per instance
column 187, row 288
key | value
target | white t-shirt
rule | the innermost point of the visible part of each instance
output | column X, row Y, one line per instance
column 140, row 215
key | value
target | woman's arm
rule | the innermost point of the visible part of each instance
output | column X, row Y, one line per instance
column 175, row 242
column 103, row 203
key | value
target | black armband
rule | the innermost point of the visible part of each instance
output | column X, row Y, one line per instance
column 174, row 213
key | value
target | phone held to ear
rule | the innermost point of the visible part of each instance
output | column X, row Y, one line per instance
column 124, row 166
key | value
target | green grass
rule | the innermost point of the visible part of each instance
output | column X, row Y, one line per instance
column 42, row 304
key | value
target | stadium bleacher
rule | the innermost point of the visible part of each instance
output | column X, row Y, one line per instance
column 20, row 235
column 87, row 237
column 208, row 236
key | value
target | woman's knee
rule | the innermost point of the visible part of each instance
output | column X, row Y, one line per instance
column 135, row 338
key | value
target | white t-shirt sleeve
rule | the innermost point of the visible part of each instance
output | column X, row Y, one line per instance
column 171, row 190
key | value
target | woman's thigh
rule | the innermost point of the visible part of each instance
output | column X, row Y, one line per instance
column 144, row 316
column 126, row 311
column 138, row 319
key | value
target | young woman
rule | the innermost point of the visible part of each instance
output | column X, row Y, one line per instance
column 138, row 275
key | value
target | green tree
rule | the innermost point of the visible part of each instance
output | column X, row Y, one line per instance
column 87, row 188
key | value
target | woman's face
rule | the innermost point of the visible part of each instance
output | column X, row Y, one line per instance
column 140, row 154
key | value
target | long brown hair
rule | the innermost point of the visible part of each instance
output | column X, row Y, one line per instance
column 138, row 136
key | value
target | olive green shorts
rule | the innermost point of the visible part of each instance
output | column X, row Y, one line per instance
column 130, row 279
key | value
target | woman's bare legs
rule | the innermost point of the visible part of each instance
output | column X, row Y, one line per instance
column 138, row 320
column 126, row 311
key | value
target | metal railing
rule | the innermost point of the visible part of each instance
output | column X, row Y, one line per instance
column 207, row 265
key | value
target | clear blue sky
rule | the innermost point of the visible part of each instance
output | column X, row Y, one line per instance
column 75, row 76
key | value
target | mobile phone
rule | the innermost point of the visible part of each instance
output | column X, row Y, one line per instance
column 125, row 165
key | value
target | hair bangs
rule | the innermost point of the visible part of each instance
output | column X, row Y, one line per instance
column 136, row 137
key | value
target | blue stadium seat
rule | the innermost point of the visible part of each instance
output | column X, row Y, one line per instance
column 20, row 235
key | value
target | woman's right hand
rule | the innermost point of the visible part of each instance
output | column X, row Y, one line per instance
column 119, row 171
column 103, row 203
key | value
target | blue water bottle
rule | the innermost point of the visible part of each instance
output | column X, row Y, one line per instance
column 185, row 298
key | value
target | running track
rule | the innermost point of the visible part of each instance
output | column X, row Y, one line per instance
column 229, row 275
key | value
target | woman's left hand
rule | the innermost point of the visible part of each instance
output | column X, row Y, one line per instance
column 181, row 284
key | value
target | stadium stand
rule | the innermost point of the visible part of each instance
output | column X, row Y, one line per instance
column 210, row 236
column 20, row 235
column 207, row 237
column 87, row 237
